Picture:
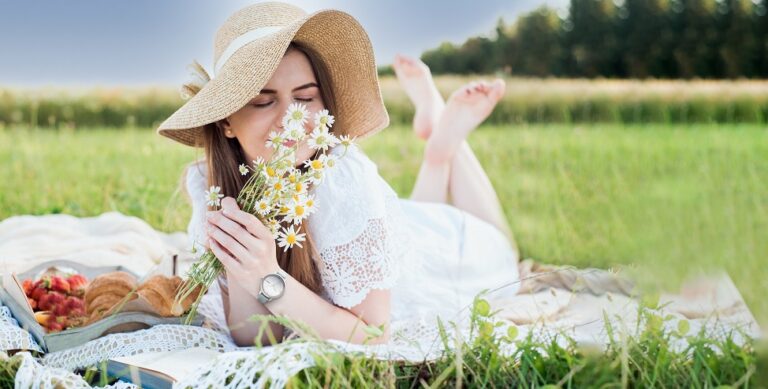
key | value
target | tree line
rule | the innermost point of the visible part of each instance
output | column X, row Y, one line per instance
column 621, row 39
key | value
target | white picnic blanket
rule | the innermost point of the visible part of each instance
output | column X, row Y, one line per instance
column 546, row 306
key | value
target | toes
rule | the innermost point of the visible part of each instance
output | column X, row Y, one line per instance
column 497, row 88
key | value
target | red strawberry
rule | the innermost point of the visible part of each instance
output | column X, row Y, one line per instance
column 38, row 292
column 74, row 303
column 27, row 285
column 38, row 283
column 44, row 302
column 54, row 326
column 50, row 300
column 60, row 285
column 77, row 283
column 60, row 310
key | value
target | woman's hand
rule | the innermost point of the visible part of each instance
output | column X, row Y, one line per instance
column 243, row 244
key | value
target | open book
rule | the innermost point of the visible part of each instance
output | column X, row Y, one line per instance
column 160, row 369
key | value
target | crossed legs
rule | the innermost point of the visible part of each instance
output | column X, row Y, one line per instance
column 450, row 172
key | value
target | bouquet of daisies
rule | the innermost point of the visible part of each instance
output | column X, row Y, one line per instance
column 275, row 192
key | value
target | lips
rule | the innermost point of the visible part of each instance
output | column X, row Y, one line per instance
column 289, row 143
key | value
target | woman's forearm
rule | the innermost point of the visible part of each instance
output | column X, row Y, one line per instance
column 327, row 320
column 243, row 331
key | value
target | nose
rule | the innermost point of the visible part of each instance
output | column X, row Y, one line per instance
column 282, row 107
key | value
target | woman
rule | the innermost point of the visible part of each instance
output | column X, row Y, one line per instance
column 370, row 259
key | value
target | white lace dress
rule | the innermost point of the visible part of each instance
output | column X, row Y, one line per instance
column 433, row 257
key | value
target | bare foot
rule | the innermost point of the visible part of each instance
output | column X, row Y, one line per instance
column 467, row 107
column 416, row 79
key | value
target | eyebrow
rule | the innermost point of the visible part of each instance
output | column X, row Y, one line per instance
column 305, row 86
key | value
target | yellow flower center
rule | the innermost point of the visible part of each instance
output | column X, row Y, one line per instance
column 271, row 171
column 316, row 164
column 297, row 115
column 299, row 210
column 291, row 238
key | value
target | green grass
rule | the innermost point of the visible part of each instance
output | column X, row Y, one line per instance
column 668, row 200
column 665, row 201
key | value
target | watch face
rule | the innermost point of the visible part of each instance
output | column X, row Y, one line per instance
column 273, row 285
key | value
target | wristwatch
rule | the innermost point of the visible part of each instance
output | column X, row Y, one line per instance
column 272, row 286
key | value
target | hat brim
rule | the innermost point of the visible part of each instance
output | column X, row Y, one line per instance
column 340, row 42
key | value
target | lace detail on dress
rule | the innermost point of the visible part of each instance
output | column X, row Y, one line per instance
column 357, row 230
column 349, row 271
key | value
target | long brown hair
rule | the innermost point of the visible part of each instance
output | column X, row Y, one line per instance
column 224, row 156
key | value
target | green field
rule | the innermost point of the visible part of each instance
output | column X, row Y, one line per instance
column 668, row 200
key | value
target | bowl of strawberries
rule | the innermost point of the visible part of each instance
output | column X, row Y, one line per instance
column 51, row 301
column 57, row 299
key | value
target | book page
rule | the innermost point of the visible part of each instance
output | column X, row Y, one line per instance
column 176, row 364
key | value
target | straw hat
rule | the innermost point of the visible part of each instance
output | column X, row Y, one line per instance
column 248, row 49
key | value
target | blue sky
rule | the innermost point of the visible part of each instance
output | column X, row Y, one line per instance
column 142, row 42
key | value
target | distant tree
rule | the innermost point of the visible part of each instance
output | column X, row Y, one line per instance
column 538, row 43
column 648, row 38
column 590, row 41
column 621, row 38
column 760, row 28
column 695, row 50
column 737, row 38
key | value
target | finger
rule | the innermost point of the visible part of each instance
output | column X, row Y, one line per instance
column 235, row 230
column 229, row 203
column 229, row 262
column 225, row 240
column 251, row 223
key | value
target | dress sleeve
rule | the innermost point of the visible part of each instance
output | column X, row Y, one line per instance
column 356, row 229
column 196, row 186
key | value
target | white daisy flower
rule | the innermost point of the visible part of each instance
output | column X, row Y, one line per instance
column 299, row 187
column 293, row 131
column 324, row 119
column 213, row 197
column 243, row 169
column 321, row 139
column 314, row 164
column 258, row 162
column 275, row 140
column 315, row 177
column 329, row 161
column 263, row 207
column 310, row 204
column 346, row 141
column 296, row 114
column 296, row 212
column 273, row 226
column 269, row 172
column 288, row 237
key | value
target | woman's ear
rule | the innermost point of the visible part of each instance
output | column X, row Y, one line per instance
column 224, row 126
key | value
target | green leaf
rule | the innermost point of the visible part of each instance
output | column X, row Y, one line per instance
column 683, row 327
column 373, row 331
column 651, row 301
column 512, row 332
column 482, row 308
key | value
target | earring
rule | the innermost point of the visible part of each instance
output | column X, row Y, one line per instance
column 229, row 132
